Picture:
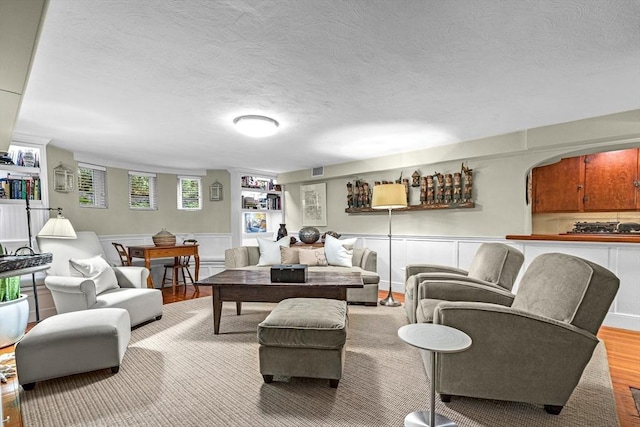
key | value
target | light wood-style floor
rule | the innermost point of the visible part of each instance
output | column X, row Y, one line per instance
column 623, row 350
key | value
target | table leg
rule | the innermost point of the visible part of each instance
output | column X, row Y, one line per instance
column 432, row 414
column 217, row 309
column 238, row 307
column 429, row 418
column 147, row 263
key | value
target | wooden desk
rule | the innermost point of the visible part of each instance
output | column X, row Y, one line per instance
column 152, row 251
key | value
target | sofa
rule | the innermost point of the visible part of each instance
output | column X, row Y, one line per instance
column 363, row 260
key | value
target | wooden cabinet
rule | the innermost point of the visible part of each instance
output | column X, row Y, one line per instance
column 558, row 187
column 608, row 181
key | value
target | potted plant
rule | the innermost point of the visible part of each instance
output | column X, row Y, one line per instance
column 14, row 310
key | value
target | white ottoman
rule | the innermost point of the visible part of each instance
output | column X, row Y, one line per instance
column 73, row 343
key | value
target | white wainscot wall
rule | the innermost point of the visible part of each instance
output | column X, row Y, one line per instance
column 623, row 259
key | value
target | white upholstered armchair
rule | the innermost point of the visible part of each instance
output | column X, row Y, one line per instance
column 81, row 279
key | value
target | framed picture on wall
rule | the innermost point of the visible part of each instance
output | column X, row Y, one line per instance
column 314, row 204
column 255, row 222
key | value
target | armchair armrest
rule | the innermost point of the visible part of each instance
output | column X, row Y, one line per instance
column 509, row 348
column 71, row 293
column 464, row 290
column 412, row 269
column 131, row 276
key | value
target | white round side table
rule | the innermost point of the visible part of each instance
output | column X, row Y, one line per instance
column 435, row 339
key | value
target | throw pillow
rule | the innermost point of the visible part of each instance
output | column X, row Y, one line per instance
column 289, row 255
column 312, row 256
column 339, row 252
column 270, row 250
column 97, row 269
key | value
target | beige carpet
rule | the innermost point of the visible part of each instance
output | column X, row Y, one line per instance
column 177, row 373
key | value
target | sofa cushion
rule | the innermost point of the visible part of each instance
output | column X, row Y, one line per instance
column 305, row 323
column 270, row 250
column 97, row 269
column 289, row 255
column 312, row 257
column 339, row 252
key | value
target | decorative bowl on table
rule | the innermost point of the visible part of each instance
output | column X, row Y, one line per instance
column 308, row 235
column 164, row 238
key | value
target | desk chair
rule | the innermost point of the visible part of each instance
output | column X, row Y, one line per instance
column 180, row 264
column 122, row 253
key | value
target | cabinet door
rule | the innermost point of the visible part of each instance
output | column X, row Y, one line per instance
column 609, row 181
column 558, row 187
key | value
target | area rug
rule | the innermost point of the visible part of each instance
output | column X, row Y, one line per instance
column 176, row 372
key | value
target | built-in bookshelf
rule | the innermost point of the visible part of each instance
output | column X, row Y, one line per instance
column 23, row 173
column 257, row 206
column 20, row 174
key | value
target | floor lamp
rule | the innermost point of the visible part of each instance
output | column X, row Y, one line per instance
column 389, row 196
column 55, row 228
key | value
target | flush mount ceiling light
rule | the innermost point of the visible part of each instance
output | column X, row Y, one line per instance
column 256, row 126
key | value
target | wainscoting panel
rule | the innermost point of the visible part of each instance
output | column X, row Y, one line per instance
column 623, row 259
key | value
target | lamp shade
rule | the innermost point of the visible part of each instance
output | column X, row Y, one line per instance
column 389, row 196
column 58, row 228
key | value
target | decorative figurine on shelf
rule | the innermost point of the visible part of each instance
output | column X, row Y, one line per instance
column 423, row 190
column 467, row 190
column 439, row 181
column 349, row 195
column 406, row 188
column 431, row 191
column 415, row 179
column 360, row 195
column 356, row 195
column 366, row 195
column 448, row 188
column 457, row 187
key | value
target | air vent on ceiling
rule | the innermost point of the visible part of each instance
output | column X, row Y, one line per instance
column 319, row 171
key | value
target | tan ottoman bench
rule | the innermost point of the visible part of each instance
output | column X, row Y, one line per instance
column 304, row 337
column 73, row 343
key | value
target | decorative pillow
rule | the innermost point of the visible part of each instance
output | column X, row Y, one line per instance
column 339, row 252
column 289, row 255
column 270, row 250
column 97, row 269
column 312, row 256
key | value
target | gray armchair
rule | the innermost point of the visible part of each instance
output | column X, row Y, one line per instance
column 495, row 266
column 536, row 350
column 73, row 293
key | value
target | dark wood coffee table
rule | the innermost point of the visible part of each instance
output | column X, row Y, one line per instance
column 256, row 286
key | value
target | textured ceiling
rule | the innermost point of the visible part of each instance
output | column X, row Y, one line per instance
column 159, row 82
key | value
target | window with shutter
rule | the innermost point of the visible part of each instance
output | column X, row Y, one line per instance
column 189, row 193
column 142, row 191
column 92, row 186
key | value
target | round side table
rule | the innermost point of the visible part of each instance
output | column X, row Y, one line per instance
column 435, row 339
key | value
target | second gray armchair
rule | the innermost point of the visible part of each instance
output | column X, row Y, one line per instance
column 495, row 266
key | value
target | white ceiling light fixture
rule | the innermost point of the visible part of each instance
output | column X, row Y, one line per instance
column 256, row 126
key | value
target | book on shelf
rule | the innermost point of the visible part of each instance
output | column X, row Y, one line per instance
column 20, row 188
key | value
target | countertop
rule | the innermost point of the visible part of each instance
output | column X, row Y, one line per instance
column 580, row 237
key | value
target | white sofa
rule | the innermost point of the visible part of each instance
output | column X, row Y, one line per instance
column 365, row 262
column 71, row 293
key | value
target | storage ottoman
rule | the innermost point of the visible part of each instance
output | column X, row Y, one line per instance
column 73, row 343
column 304, row 337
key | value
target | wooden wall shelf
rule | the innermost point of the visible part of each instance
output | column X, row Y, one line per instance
column 464, row 205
